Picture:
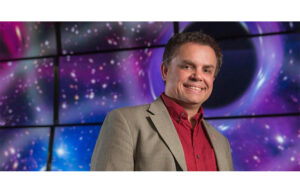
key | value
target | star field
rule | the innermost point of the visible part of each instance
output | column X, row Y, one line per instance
column 26, row 39
column 95, row 36
column 73, row 147
column 24, row 149
column 26, row 92
column 268, row 144
column 93, row 85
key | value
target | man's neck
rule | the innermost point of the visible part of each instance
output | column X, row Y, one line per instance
column 191, row 109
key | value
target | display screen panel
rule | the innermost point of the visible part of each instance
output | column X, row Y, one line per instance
column 259, row 76
column 26, row 92
column 221, row 30
column 93, row 85
column 24, row 149
column 26, row 39
column 95, row 36
column 263, row 144
column 73, row 147
column 295, row 26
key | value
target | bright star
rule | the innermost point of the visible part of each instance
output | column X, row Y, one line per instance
column 60, row 151
column 279, row 139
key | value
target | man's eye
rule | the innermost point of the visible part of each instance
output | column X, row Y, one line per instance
column 207, row 71
column 186, row 67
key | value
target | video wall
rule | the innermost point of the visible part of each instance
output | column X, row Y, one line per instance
column 59, row 80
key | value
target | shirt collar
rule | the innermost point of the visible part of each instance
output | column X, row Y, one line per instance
column 177, row 111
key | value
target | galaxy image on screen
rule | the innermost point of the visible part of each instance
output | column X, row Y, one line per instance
column 58, row 80
column 96, row 84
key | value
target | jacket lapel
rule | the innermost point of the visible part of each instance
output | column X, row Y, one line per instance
column 164, row 125
column 216, row 146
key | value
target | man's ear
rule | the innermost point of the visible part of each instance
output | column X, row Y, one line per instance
column 164, row 71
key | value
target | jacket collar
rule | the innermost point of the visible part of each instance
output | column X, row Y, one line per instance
column 214, row 138
column 165, row 127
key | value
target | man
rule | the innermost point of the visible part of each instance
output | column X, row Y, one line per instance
column 170, row 133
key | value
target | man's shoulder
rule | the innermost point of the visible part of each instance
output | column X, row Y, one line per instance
column 155, row 106
column 133, row 116
column 131, row 111
column 136, row 108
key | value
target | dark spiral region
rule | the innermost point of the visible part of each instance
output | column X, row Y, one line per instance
column 239, row 61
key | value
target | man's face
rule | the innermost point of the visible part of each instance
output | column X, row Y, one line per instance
column 190, row 75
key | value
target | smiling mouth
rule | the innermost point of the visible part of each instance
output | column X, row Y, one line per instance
column 196, row 88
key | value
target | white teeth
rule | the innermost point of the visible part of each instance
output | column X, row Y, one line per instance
column 195, row 88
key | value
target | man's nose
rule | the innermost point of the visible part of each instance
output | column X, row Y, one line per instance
column 197, row 76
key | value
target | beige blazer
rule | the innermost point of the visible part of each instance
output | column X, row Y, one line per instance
column 144, row 138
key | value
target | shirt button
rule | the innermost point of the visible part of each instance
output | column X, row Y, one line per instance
column 182, row 114
column 198, row 156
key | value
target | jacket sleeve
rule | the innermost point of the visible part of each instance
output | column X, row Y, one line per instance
column 114, row 147
column 229, row 156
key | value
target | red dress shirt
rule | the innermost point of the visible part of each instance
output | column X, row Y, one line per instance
column 198, row 152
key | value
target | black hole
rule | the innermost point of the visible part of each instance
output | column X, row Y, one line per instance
column 239, row 62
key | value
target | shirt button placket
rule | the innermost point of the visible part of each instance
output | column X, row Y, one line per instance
column 182, row 114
